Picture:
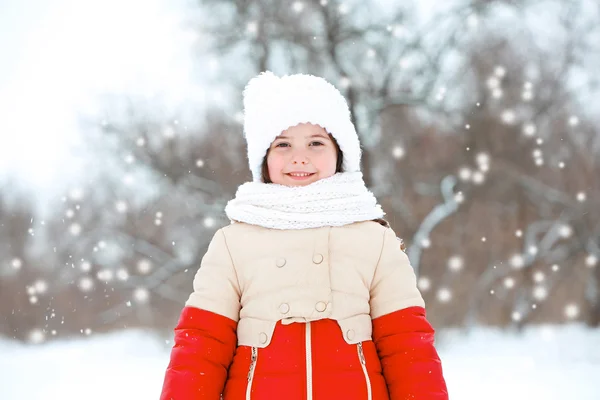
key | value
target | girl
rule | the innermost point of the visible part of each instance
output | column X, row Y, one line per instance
column 303, row 296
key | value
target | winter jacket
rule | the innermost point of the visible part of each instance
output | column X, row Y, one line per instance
column 324, row 313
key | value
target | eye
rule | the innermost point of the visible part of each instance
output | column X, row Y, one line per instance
column 282, row 144
column 316, row 143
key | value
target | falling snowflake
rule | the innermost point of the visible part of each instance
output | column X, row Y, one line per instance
column 169, row 132
column 500, row 71
column 572, row 311
column 565, row 231
column 36, row 336
column 573, row 121
column 493, row 82
column 509, row 283
column 129, row 159
column 540, row 293
column 85, row 284
column 16, row 263
column 426, row 243
column 517, row 261
column 76, row 194
column 209, row 222
column 343, row 9
column 561, row 165
column 555, row 267
column 591, row 260
column 122, row 274
column 404, row 63
column 105, row 275
column 464, row 173
column 345, row 82
column 516, row 316
column 482, row 158
column 444, row 295
column 199, row 163
column 472, row 21
column 497, row 93
column 298, row 6
column 509, row 117
column 128, row 179
column 86, row 266
column 478, row 177
column 252, row 27
column 144, row 266
column 533, row 250
column 519, row 233
column 141, row 295
column 33, row 299
column 529, row 129
column 398, row 152
column 399, row 31
column 140, row 141
column 424, row 283
column 121, row 206
column 539, row 276
column 459, row 197
column 40, row 286
column 455, row 263
column 581, row 196
column 441, row 94
column 70, row 213
column 75, row 229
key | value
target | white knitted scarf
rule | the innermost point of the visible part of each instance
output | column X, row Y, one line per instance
column 335, row 201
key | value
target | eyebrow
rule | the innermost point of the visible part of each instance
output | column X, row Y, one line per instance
column 316, row 135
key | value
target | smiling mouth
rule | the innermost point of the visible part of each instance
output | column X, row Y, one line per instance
column 300, row 176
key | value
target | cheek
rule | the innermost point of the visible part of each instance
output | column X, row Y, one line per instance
column 328, row 162
column 274, row 164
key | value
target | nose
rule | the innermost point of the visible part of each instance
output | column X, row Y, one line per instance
column 299, row 158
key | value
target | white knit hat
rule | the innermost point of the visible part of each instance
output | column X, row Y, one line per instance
column 273, row 104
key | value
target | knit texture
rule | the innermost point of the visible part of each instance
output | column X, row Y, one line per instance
column 335, row 201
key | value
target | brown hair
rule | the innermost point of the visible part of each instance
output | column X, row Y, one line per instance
column 338, row 168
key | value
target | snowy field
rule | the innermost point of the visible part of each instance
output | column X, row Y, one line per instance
column 549, row 363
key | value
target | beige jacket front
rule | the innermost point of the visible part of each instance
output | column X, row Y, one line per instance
column 259, row 276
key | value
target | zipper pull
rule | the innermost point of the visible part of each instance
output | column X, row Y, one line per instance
column 361, row 355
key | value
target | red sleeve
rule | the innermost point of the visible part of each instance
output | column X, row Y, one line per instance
column 411, row 365
column 204, row 346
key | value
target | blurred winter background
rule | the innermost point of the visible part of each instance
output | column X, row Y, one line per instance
column 121, row 141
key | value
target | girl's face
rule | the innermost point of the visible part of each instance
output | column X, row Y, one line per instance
column 301, row 155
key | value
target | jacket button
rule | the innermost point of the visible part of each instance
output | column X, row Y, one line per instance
column 318, row 258
column 280, row 262
column 350, row 334
column 263, row 338
column 321, row 306
column 284, row 308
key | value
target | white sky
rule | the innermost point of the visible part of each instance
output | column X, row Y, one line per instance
column 56, row 56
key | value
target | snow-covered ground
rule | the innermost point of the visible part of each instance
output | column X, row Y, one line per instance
column 547, row 363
